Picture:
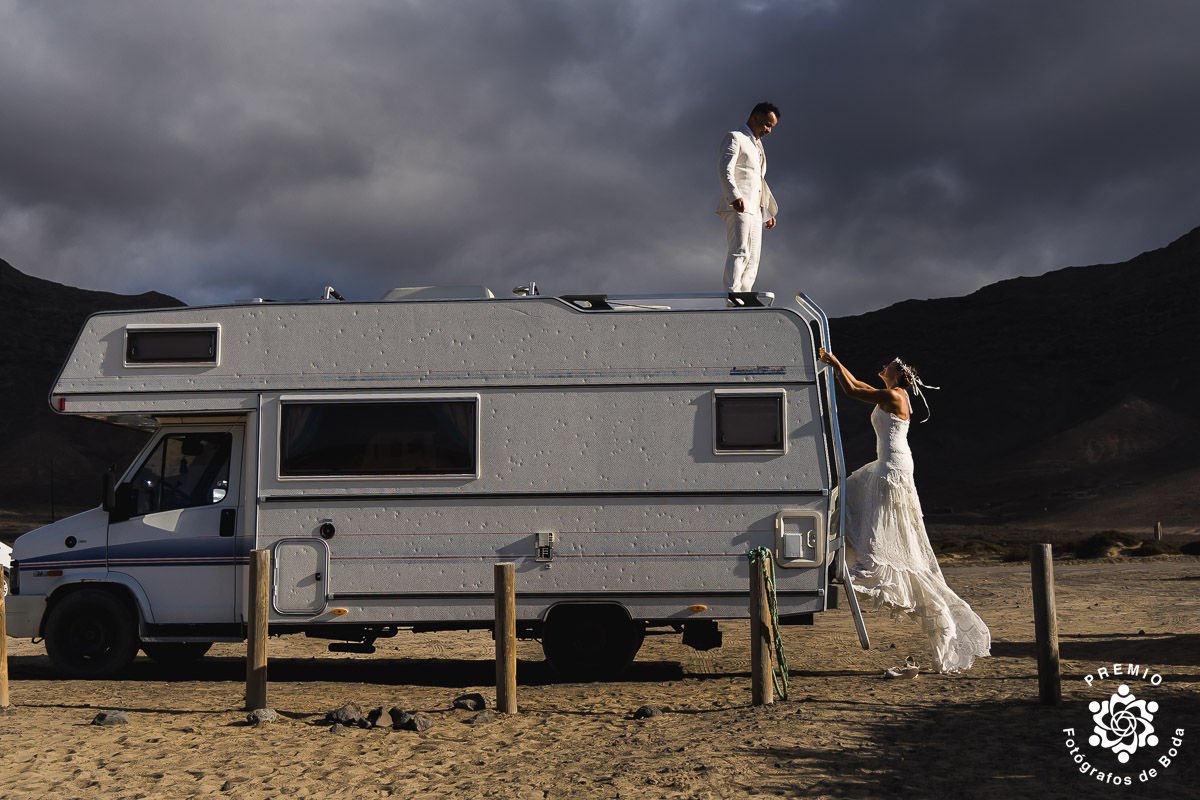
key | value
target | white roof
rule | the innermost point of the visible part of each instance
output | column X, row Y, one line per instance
column 396, row 346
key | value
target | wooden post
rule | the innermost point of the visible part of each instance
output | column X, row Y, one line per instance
column 3, row 653
column 1158, row 531
column 1045, row 620
column 256, row 634
column 762, row 683
column 504, row 577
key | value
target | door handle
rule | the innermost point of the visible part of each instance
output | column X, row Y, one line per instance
column 228, row 521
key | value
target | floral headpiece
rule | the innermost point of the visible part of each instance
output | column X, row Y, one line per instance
column 915, row 384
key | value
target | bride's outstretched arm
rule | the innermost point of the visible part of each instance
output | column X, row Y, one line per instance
column 844, row 377
column 859, row 390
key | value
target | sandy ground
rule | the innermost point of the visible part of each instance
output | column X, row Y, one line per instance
column 844, row 733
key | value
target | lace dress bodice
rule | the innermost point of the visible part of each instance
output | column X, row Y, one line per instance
column 891, row 440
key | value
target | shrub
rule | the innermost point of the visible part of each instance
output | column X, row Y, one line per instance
column 1154, row 549
column 1103, row 545
column 1191, row 548
column 944, row 546
column 1015, row 553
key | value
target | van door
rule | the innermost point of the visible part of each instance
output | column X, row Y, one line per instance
column 176, row 522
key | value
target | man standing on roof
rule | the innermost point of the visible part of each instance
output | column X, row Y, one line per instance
column 747, row 205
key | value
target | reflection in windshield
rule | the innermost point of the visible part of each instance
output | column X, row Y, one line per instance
column 183, row 471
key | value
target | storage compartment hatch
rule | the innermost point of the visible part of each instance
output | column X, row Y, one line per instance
column 301, row 576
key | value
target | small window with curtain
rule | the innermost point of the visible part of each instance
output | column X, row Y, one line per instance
column 391, row 438
column 749, row 422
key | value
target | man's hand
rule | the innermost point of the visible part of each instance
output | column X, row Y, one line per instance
column 739, row 206
column 770, row 223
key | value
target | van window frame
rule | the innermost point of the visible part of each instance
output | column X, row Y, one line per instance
column 185, row 327
column 160, row 443
column 777, row 393
column 375, row 399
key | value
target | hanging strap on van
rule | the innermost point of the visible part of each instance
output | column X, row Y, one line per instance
column 779, row 673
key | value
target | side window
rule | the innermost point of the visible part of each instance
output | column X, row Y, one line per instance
column 184, row 345
column 184, row 470
column 398, row 438
column 749, row 422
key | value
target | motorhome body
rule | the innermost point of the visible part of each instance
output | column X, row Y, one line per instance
column 624, row 454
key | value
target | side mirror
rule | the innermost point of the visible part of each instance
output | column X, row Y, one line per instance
column 108, row 495
column 124, row 503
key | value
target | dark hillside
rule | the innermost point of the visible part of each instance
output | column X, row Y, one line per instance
column 1025, row 362
column 38, row 327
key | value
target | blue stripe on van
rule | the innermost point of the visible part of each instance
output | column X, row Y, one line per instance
column 68, row 559
column 192, row 551
column 207, row 551
column 177, row 562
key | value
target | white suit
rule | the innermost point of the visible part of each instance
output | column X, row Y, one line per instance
column 743, row 174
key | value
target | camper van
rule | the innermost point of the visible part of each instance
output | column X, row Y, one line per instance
column 625, row 453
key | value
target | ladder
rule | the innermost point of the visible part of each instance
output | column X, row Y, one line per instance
column 818, row 316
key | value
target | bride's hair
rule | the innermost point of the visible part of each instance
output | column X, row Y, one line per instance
column 910, row 380
column 907, row 373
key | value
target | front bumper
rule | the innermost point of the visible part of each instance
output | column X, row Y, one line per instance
column 23, row 615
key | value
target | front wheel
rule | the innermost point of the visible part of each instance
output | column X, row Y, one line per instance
column 90, row 633
column 591, row 641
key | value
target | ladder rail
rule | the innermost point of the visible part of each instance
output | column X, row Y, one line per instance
column 810, row 307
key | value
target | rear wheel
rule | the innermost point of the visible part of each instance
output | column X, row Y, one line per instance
column 591, row 641
column 90, row 633
column 175, row 653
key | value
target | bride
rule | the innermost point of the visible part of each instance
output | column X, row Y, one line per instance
column 894, row 563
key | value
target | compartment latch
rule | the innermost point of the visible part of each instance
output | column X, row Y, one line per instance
column 544, row 549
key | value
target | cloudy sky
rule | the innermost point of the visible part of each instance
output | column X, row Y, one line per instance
column 225, row 150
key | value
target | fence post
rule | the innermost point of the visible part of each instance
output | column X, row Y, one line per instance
column 1158, row 531
column 1045, row 619
column 762, row 685
column 3, row 653
column 505, row 631
column 256, row 638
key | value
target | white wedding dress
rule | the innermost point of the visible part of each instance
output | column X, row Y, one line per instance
column 894, row 564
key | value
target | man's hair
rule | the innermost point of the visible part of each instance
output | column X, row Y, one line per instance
column 766, row 108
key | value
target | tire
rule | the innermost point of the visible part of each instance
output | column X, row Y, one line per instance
column 176, row 653
column 588, row 642
column 91, row 633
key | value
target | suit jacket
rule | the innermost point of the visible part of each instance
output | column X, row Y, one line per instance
column 743, row 173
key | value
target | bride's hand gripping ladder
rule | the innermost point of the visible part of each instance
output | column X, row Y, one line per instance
column 818, row 315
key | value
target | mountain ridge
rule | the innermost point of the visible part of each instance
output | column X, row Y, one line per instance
column 1027, row 359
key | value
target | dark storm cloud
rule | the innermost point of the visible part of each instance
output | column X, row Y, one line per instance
column 224, row 150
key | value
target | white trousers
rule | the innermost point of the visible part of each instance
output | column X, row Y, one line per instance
column 744, row 233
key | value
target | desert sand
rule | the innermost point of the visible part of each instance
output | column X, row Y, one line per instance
column 845, row 732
